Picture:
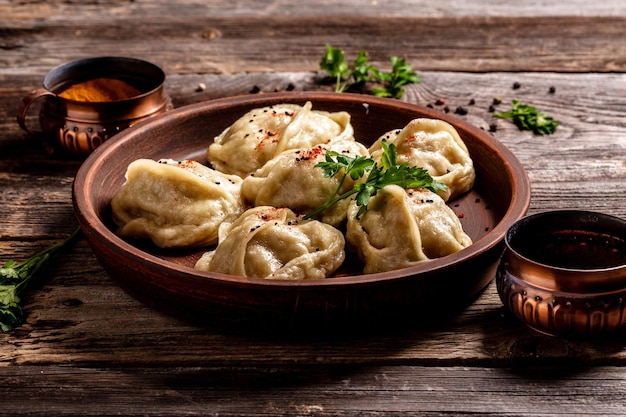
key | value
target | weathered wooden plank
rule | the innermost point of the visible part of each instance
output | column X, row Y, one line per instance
column 208, row 44
column 314, row 390
column 40, row 9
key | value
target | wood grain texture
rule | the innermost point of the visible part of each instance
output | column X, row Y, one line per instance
column 317, row 390
column 59, row 9
column 205, row 43
column 88, row 348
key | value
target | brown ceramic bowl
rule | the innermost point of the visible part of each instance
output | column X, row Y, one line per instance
column 564, row 272
column 166, row 279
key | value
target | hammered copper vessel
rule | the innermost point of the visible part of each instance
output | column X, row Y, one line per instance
column 78, row 127
column 564, row 272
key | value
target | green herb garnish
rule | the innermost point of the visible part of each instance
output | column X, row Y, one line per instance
column 527, row 117
column 355, row 76
column 401, row 74
column 378, row 176
column 14, row 279
column 334, row 63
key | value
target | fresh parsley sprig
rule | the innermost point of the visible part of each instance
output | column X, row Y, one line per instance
column 346, row 76
column 388, row 172
column 355, row 76
column 401, row 74
column 15, row 278
column 527, row 117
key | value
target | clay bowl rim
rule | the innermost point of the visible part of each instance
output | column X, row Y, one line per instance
column 95, row 228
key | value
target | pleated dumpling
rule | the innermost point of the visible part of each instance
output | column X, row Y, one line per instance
column 263, row 133
column 275, row 243
column 176, row 204
column 402, row 228
column 291, row 180
column 436, row 146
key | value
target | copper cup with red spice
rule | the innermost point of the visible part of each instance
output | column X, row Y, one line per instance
column 86, row 102
column 563, row 273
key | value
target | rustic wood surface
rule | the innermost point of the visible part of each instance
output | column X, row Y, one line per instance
column 87, row 348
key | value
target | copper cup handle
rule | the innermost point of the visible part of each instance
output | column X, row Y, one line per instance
column 22, row 109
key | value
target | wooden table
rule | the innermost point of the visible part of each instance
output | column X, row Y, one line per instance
column 87, row 348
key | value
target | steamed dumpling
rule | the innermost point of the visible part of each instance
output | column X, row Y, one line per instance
column 291, row 180
column 275, row 243
column 402, row 228
column 176, row 204
column 436, row 146
column 263, row 133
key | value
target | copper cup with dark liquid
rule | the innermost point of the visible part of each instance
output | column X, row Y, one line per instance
column 563, row 273
column 86, row 102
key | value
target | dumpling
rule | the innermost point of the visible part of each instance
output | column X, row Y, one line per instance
column 436, row 146
column 275, row 243
column 176, row 204
column 402, row 228
column 263, row 133
column 291, row 180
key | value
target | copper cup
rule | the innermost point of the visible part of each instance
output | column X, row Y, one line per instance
column 563, row 273
column 77, row 127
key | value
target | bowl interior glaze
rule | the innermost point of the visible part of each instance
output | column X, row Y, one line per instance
column 166, row 279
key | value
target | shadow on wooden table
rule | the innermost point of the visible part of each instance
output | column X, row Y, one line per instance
column 521, row 349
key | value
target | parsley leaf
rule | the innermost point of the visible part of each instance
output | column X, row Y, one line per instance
column 355, row 76
column 378, row 176
column 527, row 117
column 401, row 74
column 334, row 63
column 14, row 279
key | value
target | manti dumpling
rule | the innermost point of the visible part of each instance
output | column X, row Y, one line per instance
column 436, row 146
column 291, row 180
column 402, row 228
column 275, row 243
column 176, row 204
column 263, row 133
